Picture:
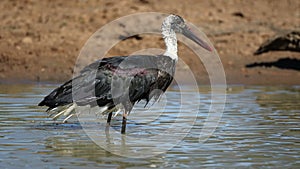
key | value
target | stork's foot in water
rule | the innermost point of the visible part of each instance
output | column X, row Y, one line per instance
column 108, row 119
column 108, row 122
column 124, row 123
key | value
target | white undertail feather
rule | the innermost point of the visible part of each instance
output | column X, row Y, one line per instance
column 170, row 39
column 99, row 111
column 116, row 113
column 116, row 110
column 68, row 111
column 67, row 118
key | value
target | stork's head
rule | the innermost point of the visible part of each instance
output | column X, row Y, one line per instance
column 177, row 24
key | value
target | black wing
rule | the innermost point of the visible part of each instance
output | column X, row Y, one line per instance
column 110, row 81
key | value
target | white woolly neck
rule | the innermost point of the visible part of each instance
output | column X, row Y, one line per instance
column 170, row 39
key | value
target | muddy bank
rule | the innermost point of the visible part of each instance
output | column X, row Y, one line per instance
column 41, row 40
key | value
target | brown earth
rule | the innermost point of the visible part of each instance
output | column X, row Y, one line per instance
column 40, row 40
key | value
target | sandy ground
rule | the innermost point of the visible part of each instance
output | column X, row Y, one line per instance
column 41, row 40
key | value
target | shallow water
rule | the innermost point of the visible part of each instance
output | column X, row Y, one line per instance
column 259, row 128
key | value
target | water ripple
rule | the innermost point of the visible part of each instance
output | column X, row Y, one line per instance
column 259, row 128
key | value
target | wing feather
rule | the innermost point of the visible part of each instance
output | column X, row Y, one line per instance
column 133, row 75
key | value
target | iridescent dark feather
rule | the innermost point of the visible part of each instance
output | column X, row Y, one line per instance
column 111, row 81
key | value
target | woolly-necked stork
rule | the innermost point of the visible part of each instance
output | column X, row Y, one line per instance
column 115, row 84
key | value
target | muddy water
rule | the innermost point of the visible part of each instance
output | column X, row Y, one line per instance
column 260, row 127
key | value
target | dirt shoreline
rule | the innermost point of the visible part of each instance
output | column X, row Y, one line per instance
column 40, row 40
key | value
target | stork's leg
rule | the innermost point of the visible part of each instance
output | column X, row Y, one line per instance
column 124, row 123
column 128, row 107
column 109, row 118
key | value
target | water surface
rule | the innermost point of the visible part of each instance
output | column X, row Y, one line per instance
column 259, row 128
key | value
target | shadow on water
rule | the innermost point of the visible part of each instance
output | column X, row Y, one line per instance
column 283, row 63
column 259, row 128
